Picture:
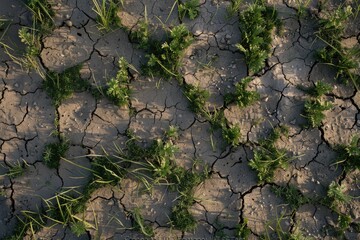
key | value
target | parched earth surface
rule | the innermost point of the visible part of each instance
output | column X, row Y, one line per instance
column 231, row 193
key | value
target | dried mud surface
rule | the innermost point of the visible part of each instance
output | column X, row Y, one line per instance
column 232, row 192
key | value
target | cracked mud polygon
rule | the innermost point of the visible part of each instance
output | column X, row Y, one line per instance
column 231, row 196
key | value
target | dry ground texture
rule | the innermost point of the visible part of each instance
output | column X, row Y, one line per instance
column 131, row 127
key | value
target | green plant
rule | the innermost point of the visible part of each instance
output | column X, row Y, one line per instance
column 172, row 133
column 332, row 25
column 242, row 230
column 301, row 7
column 189, row 8
column 142, row 33
column 349, row 155
column 267, row 157
column 292, row 196
column 140, row 224
column 318, row 90
column 336, row 195
column 106, row 11
column 241, row 96
column 197, row 97
column 42, row 15
column 118, row 88
column 53, row 152
column 78, row 228
column 345, row 61
column 60, row 86
column 231, row 135
column 313, row 111
column 165, row 58
column 234, row 7
column 256, row 25
column 17, row 169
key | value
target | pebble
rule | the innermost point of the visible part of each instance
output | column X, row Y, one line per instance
column 68, row 23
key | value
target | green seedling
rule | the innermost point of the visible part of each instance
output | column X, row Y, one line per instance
column 234, row 7
column 232, row 135
column 336, row 195
column 343, row 224
column 42, row 15
column 313, row 111
column 108, row 170
column 197, row 98
column 267, row 157
column 241, row 96
column 118, row 87
column 349, row 155
column 106, row 11
column 292, row 196
column 165, row 58
column 345, row 61
column 53, row 152
column 78, row 228
column 140, row 225
column 172, row 133
column 242, row 230
column 17, row 169
column 60, row 86
column 332, row 27
column 189, row 8
column 142, row 33
column 256, row 25
column 318, row 90
column 302, row 5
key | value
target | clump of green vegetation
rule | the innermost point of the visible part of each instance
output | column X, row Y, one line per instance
column 232, row 135
column 256, row 25
column 301, row 7
column 142, row 34
column 140, row 224
column 234, row 7
column 186, row 181
column 164, row 60
column 241, row 96
column 242, row 230
column 15, row 169
column 292, row 196
column 349, row 155
column 53, row 153
column 106, row 11
column 42, row 15
column 319, row 89
column 344, row 60
column 315, row 105
column 197, row 98
column 267, row 157
column 60, row 86
column 336, row 195
column 332, row 26
column 313, row 111
column 118, row 87
column 188, row 8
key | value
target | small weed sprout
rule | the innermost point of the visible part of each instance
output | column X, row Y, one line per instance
column 267, row 157
column 241, row 96
column 172, row 133
column 232, row 135
column 313, row 111
column 17, row 169
column 60, row 86
column 336, row 195
column 188, row 8
column 292, row 196
column 53, row 153
column 234, row 7
column 256, row 25
column 242, row 230
column 140, row 224
column 106, row 11
column 349, row 155
column 118, row 88
column 166, row 57
column 197, row 98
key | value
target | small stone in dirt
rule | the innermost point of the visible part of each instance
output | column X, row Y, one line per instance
column 68, row 23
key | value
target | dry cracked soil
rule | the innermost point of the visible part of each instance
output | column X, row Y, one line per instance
column 231, row 196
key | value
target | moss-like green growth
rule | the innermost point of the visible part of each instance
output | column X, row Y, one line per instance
column 241, row 96
column 54, row 152
column 164, row 59
column 267, row 157
column 60, row 86
column 257, row 23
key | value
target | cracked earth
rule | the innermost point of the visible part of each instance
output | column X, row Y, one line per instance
column 231, row 193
